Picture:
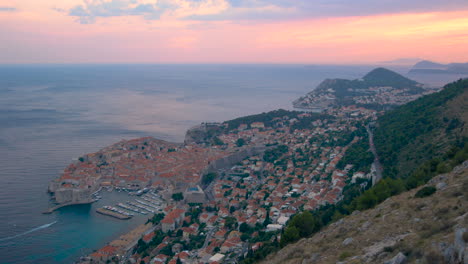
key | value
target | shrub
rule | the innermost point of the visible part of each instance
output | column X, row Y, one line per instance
column 345, row 255
column 209, row 177
column 240, row 142
column 434, row 257
column 425, row 192
column 178, row 196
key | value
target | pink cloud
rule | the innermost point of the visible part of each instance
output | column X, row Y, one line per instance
column 45, row 35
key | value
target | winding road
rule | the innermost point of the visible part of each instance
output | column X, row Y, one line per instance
column 376, row 165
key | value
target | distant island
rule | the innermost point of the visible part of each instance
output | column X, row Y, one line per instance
column 429, row 67
column 379, row 89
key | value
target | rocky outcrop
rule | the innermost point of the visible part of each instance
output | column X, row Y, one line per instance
column 201, row 134
column 400, row 258
column 461, row 246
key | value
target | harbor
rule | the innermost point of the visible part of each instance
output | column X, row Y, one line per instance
column 147, row 203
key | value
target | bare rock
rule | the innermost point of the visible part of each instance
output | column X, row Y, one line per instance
column 365, row 226
column 400, row 258
column 348, row 241
column 441, row 185
column 450, row 254
column 372, row 251
column 312, row 259
column 356, row 212
column 460, row 245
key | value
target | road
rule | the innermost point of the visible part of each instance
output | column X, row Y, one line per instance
column 208, row 237
column 376, row 165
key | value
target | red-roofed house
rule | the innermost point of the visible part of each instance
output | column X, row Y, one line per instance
column 147, row 238
column 172, row 220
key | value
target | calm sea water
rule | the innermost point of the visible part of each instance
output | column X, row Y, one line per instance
column 52, row 114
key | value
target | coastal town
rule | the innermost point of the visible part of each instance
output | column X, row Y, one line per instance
column 250, row 201
column 241, row 205
column 230, row 188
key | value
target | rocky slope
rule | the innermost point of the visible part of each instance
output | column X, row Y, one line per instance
column 402, row 229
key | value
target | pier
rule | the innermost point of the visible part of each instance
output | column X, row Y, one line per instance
column 113, row 214
column 52, row 209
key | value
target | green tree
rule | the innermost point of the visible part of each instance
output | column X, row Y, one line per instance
column 178, row 196
column 209, row 177
column 426, row 191
column 367, row 200
column 217, row 141
column 230, row 222
column 240, row 142
column 267, row 219
column 305, row 223
column 291, row 234
column 156, row 218
column 244, row 228
column 244, row 237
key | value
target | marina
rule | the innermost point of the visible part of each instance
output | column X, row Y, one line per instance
column 148, row 202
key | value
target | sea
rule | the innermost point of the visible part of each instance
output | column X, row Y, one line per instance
column 52, row 114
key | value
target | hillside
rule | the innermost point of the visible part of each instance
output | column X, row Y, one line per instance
column 425, row 64
column 378, row 89
column 384, row 77
column 423, row 129
column 429, row 230
column 415, row 142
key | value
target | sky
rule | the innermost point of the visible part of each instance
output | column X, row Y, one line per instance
column 232, row 31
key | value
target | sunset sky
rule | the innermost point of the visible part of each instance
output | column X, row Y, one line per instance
column 232, row 31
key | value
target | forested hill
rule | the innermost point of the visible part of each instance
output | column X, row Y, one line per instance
column 383, row 77
column 379, row 89
column 379, row 77
column 422, row 130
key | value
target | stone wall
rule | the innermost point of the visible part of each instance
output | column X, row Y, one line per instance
column 68, row 195
column 234, row 158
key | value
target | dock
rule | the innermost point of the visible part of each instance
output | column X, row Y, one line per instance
column 113, row 214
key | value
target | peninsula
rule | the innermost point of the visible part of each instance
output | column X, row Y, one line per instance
column 379, row 89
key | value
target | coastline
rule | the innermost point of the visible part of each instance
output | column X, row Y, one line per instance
column 52, row 209
column 120, row 246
